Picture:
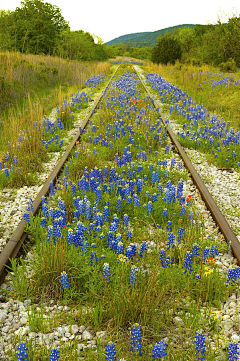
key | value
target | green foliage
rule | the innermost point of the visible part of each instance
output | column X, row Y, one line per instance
column 38, row 27
column 35, row 27
column 167, row 50
column 229, row 65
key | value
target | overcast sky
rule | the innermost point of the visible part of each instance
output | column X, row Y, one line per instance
column 110, row 19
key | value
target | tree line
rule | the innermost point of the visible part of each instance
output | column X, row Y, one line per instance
column 218, row 45
column 38, row 27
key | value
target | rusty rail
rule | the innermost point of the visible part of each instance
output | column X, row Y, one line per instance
column 217, row 215
column 18, row 237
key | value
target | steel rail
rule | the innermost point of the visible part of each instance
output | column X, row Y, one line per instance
column 217, row 215
column 18, row 237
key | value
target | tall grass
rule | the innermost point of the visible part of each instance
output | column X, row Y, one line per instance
column 31, row 86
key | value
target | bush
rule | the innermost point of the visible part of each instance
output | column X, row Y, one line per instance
column 228, row 66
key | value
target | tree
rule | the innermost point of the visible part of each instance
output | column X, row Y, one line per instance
column 167, row 49
column 6, row 21
column 37, row 26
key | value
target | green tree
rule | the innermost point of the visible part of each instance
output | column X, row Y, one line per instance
column 37, row 27
column 167, row 49
column 6, row 22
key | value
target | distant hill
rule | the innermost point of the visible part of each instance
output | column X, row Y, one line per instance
column 145, row 38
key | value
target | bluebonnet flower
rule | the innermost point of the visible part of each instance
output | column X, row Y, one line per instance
column 206, row 253
column 160, row 189
column 67, row 171
column 195, row 250
column 191, row 218
column 182, row 211
column 173, row 162
column 159, row 350
column 85, row 248
column 21, row 353
column 136, row 339
column 70, row 237
column 7, row 156
column 43, row 222
column 106, row 272
column 54, row 356
column 200, row 347
column 99, row 219
column 115, row 220
column 120, row 248
column 171, row 241
column 51, row 188
column 188, row 263
column 93, row 256
column 125, row 220
column 98, row 194
column 110, row 352
column 129, row 252
column 133, row 275
column 26, row 217
column 106, row 213
column 30, row 205
column 150, row 207
column 143, row 248
column 214, row 251
column 136, row 201
column 129, row 235
column 169, row 226
column 49, row 232
column 233, row 274
column 154, row 198
column 233, row 351
column 180, row 165
column 6, row 171
column 119, row 204
column 165, row 213
column 181, row 234
column 163, row 259
column 64, row 280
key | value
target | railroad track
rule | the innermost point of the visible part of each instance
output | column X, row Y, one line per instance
column 19, row 236
column 15, row 242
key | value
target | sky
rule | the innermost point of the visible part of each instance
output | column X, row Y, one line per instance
column 110, row 19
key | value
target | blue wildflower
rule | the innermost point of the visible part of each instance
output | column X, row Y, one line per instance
column 233, row 351
column 136, row 339
column 110, row 352
column 159, row 350
column 165, row 213
column 233, row 274
column 133, row 275
column 200, row 347
column 195, row 250
column 54, row 356
column 106, row 272
column 21, row 353
column 64, row 280
column 188, row 263
column 143, row 248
